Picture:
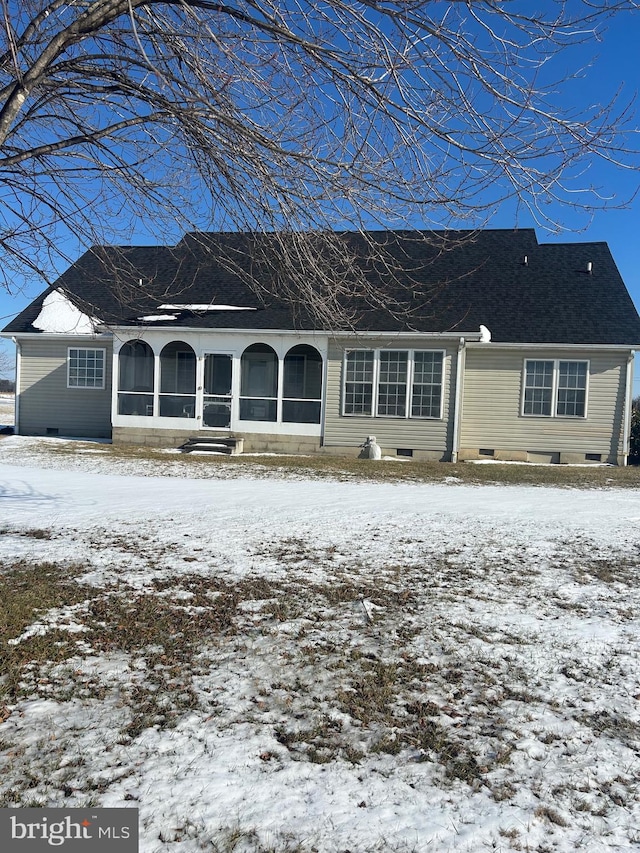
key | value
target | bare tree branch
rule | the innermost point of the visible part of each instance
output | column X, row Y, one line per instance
column 7, row 361
column 297, row 118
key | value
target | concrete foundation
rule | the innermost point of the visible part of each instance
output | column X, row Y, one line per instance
column 415, row 455
column 263, row 443
column 252, row 442
column 541, row 457
column 307, row 445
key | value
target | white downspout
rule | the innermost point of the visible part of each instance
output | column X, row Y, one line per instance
column 457, row 405
column 16, row 405
column 628, row 402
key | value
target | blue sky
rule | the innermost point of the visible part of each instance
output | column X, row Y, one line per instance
column 615, row 66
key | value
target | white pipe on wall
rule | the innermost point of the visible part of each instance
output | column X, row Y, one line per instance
column 16, row 404
column 457, row 406
column 628, row 403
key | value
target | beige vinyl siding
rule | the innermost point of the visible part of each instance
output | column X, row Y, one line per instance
column 47, row 405
column 418, row 434
column 492, row 405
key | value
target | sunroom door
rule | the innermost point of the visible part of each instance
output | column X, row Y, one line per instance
column 216, row 402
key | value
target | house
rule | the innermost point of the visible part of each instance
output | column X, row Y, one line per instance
column 513, row 350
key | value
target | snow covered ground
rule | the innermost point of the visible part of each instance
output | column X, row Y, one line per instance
column 273, row 664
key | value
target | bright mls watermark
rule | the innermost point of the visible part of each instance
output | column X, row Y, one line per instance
column 69, row 830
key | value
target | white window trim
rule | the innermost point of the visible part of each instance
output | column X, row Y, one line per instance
column 373, row 413
column 377, row 373
column 440, row 414
column 344, row 382
column 555, row 387
column 104, row 369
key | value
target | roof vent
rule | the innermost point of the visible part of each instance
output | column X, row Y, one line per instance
column 589, row 267
column 525, row 262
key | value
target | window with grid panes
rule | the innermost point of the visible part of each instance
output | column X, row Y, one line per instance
column 404, row 383
column 85, row 368
column 572, row 389
column 358, row 389
column 538, row 388
column 426, row 388
column 392, row 383
column 555, row 388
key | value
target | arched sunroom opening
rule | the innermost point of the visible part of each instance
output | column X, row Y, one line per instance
column 302, row 385
column 177, row 381
column 259, row 383
column 135, row 379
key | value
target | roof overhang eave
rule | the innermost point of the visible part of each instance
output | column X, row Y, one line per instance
column 553, row 346
column 54, row 336
column 369, row 333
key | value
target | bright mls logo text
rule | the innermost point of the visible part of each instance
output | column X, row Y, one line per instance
column 55, row 833
column 34, row 830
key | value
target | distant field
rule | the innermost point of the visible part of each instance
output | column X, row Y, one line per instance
column 7, row 408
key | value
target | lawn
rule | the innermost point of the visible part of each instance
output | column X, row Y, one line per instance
column 321, row 655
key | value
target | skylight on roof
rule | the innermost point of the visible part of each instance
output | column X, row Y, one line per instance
column 207, row 307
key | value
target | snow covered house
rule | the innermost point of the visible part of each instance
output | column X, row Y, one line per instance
column 514, row 350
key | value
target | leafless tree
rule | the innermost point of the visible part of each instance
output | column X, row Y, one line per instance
column 292, row 117
column 6, row 362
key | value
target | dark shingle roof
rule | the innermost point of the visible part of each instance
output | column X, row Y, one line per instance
column 551, row 298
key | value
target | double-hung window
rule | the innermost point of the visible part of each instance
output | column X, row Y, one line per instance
column 572, row 389
column 555, row 388
column 393, row 378
column 393, row 383
column 426, row 390
column 85, row 367
column 358, row 387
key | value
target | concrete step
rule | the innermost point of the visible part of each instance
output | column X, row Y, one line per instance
column 230, row 446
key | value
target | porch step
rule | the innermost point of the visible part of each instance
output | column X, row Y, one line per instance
column 230, row 446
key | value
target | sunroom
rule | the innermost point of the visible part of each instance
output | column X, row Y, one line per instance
column 230, row 382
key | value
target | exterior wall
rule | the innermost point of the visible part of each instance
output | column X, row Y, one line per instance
column 492, row 417
column 46, row 406
column 491, row 420
column 428, row 438
column 252, row 442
